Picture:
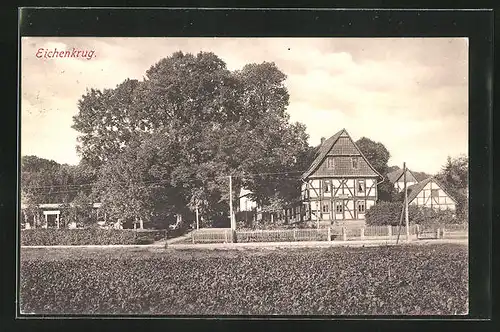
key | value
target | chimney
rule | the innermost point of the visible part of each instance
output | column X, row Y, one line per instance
column 322, row 140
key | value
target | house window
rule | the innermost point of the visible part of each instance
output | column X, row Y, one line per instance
column 434, row 193
column 339, row 207
column 361, row 206
column 330, row 163
column 326, row 186
column 361, row 186
column 355, row 162
column 325, row 206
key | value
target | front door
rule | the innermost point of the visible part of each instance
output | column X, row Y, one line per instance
column 51, row 221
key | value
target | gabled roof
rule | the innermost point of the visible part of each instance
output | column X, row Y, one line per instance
column 415, row 189
column 244, row 192
column 394, row 176
column 326, row 146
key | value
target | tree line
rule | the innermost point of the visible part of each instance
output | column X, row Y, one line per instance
column 165, row 145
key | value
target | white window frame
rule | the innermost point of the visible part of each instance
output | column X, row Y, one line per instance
column 361, row 203
column 337, row 205
column 358, row 183
column 325, row 204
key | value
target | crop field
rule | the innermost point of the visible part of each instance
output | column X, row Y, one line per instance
column 408, row 280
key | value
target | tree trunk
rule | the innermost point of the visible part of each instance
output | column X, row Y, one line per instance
column 141, row 224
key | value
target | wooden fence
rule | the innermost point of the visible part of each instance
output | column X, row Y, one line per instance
column 226, row 235
column 212, row 235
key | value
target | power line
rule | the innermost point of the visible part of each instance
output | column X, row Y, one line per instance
column 163, row 180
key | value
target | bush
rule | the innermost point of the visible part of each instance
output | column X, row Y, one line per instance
column 389, row 213
column 88, row 236
column 384, row 213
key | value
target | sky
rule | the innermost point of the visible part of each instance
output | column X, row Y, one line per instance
column 411, row 94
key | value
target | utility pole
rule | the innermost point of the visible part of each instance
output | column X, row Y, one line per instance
column 233, row 226
column 197, row 218
column 406, row 205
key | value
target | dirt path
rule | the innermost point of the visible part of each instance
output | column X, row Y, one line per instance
column 171, row 244
column 173, row 240
column 315, row 244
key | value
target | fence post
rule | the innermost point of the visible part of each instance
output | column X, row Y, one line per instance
column 389, row 230
column 443, row 231
column 225, row 235
column 329, row 234
column 192, row 237
column 344, row 234
column 362, row 233
column 437, row 233
column 294, row 234
column 417, row 229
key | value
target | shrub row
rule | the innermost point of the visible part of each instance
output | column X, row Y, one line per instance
column 88, row 236
column 389, row 213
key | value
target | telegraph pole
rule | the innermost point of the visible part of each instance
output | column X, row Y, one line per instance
column 406, row 205
column 197, row 218
column 233, row 226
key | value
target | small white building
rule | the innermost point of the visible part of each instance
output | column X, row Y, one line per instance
column 432, row 194
column 51, row 213
column 246, row 203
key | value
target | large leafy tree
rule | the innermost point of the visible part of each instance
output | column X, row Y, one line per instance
column 79, row 211
column 46, row 181
column 105, row 133
column 454, row 173
column 181, row 131
column 376, row 153
column 378, row 156
column 454, row 176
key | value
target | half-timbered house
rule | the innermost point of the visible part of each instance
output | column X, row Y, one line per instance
column 430, row 193
column 340, row 185
column 397, row 179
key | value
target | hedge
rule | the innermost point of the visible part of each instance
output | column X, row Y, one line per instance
column 88, row 236
column 389, row 213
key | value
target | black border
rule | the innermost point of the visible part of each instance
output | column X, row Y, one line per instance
column 476, row 25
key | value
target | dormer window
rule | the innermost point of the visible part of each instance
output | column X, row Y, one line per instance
column 330, row 163
column 355, row 164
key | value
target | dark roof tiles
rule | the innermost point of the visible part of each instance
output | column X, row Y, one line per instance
column 394, row 176
column 338, row 146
